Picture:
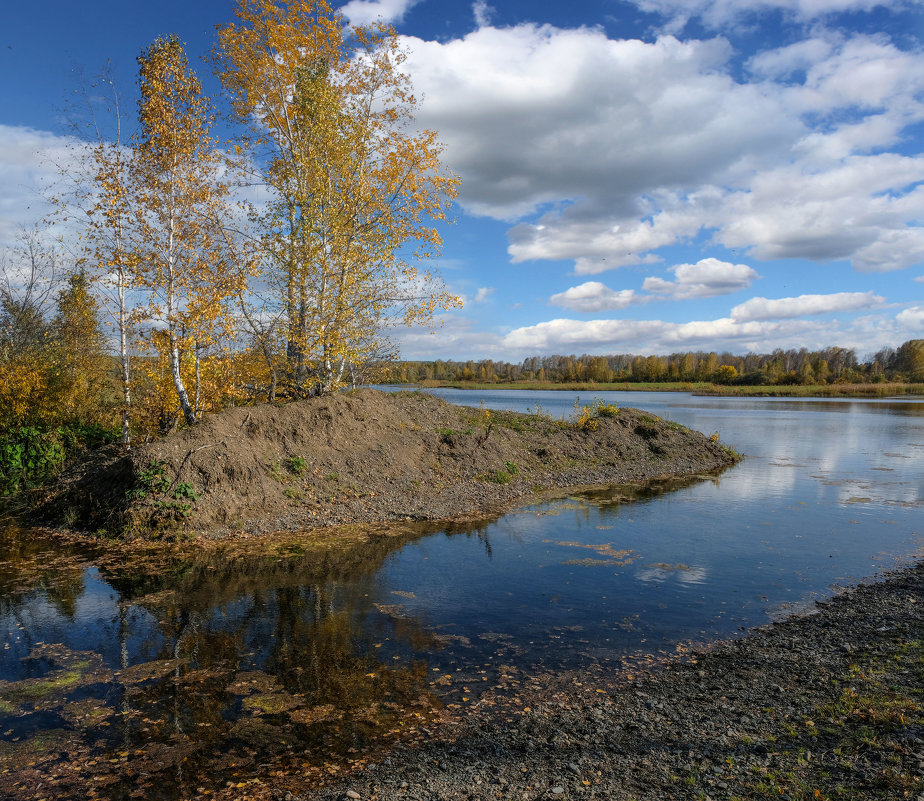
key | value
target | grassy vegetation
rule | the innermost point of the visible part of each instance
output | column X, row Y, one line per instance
column 880, row 390
column 166, row 501
column 872, row 723
column 32, row 690
column 29, row 455
column 884, row 390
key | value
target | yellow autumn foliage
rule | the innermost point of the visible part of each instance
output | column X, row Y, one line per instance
column 356, row 193
column 182, row 261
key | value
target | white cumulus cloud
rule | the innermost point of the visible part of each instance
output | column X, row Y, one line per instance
column 718, row 13
column 362, row 12
column 602, row 151
column 482, row 13
column 533, row 114
column 460, row 339
column 29, row 166
column 483, row 294
column 593, row 296
column 455, row 337
column 912, row 319
column 648, row 336
column 805, row 306
column 705, row 279
column 657, row 336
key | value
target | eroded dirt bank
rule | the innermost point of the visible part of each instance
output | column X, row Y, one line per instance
column 361, row 457
column 827, row 706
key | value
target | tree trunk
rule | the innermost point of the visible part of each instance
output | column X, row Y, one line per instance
column 196, row 406
column 188, row 412
column 126, row 364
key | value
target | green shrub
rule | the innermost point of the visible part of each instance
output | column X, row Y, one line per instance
column 166, row 502
column 152, row 480
column 29, row 456
column 297, row 465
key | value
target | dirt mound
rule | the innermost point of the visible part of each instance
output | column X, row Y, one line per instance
column 363, row 456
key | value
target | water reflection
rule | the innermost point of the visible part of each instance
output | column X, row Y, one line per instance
column 159, row 672
column 162, row 671
column 184, row 672
column 685, row 574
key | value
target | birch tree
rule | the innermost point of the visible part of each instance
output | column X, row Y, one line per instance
column 182, row 263
column 106, row 199
column 93, row 201
column 355, row 193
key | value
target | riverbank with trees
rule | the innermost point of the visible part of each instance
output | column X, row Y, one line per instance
column 880, row 390
column 829, row 372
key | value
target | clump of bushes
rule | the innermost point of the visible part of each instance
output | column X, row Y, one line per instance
column 504, row 476
column 165, row 502
column 297, row 465
column 587, row 418
column 30, row 455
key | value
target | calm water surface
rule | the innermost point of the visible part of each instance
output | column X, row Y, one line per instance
column 176, row 674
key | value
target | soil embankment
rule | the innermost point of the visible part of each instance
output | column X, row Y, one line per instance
column 828, row 706
column 362, row 457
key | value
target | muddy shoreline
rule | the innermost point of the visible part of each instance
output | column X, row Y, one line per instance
column 823, row 706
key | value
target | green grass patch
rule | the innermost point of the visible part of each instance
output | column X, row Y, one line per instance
column 513, row 421
column 37, row 689
column 297, row 465
column 497, row 477
column 883, row 390
column 879, row 705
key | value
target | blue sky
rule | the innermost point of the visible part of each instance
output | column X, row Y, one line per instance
column 649, row 176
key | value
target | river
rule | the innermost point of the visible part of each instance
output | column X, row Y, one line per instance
column 173, row 674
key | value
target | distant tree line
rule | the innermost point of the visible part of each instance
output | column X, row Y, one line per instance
column 781, row 367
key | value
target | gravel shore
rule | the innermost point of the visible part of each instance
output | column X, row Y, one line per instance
column 823, row 706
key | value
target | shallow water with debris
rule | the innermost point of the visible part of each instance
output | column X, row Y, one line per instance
column 171, row 674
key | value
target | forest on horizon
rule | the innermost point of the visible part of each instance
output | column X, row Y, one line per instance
column 832, row 365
